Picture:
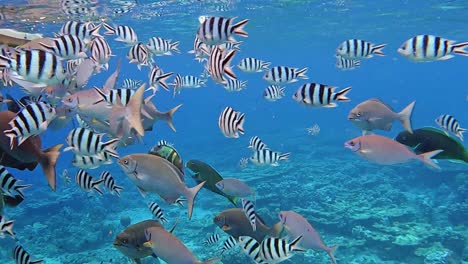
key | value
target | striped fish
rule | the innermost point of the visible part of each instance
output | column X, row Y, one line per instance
column 273, row 93
column 111, row 96
column 72, row 66
column 6, row 227
column 253, row 65
column 231, row 45
column 231, row 123
column 124, row 34
column 346, row 64
column 109, row 183
column 426, row 48
column 91, row 162
column 187, row 81
column 256, row 144
column 219, row 65
column 228, row 244
column 158, row 77
column 213, row 239
column 268, row 157
column 451, row 124
column 157, row 212
column 22, row 257
column 163, row 142
column 251, row 247
column 200, row 50
column 67, row 47
column 30, row 121
column 85, row 31
column 234, row 85
column 274, row 250
column 283, row 75
column 9, row 184
column 83, row 141
column 159, row 46
column 131, row 84
column 359, row 49
column 320, row 95
column 249, row 211
column 85, row 182
column 217, row 30
column 100, row 52
column 139, row 54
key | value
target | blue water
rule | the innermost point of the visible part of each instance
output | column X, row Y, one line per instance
column 376, row 214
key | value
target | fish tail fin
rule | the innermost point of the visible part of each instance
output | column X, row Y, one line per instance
column 109, row 147
column 240, row 124
column 460, row 133
column 426, row 158
column 8, row 227
column 265, row 65
column 405, row 117
column 48, row 161
column 341, row 95
column 294, row 245
column 210, row 261
column 302, row 73
column 132, row 111
column 238, row 28
column 191, row 193
column 168, row 117
column 95, row 186
column 284, row 156
column 117, row 190
column 227, row 65
column 174, row 46
column 11, row 134
column 460, row 48
column 19, row 189
column 162, row 80
column 330, row 251
column 377, row 50
column 95, row 31
column 109, row 28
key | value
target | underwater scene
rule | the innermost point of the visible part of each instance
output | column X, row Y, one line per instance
column 233, row 131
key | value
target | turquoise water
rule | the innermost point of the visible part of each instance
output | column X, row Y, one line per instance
column 376, row 214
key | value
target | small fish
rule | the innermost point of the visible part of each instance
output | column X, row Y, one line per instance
column 346, row 64
column 228, row 244
column 30, row 121
column 213, row 239
column 282, row 75
column 157, row 212
column 85, row 31
column 256, row 144
column 67, row 47
column 275, row 250
column 234, row 187
column 21, row 256
column 85, row 182
column 100, row 52
column 139, row 54
column 273, row 93
column 219, row 65
column 251, row 247
column 109, row 183
column 159, row 46
column 268, row 157
column 163, row 142
column 427, row 48
column 320, row 95
column 359, row 49
column 235, row 85
column 131, row 84
column 91, row 162
column 6, row 227
column 124, row 34
column 450, row 124
column 217, row 30
column 231, row 45
column 187, row 81
column 249, row 211
column 158, row 77
column 86, row 142
column 9, row 184
column 231, row 123
column 252, row 65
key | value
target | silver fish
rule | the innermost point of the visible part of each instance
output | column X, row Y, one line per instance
column 252, row 65
column 359, row 49
column 273, row 93
column 427, row 48
column 268, row 157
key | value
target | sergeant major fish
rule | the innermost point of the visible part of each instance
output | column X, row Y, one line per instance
column 124, row 34
column 275, row 250
column 282, row 75
column 157, row 212
column 159, row 46
column 449, row 123
column 251, row 65
column 217, row 30
column 219, row 65
column 427, row 48
column 22, row 257
column 85, row 181
column 86, row 142
column 9, row 185
column 273, row 93
column 251, row 247
column 109, row 183
column 231, row 123
column 158, row 77
column 359, row 49
column 320, row 95
column 268, row 157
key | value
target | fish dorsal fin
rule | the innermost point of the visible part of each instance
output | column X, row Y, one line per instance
column 436, row 130
column 382, row 102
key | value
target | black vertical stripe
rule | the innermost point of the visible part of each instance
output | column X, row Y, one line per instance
column 425, row 45
column 329, row 95
column 25, row 122
column 414, row 44
column 321, row 88
column 437, row 41
column 348, row 46
column 28, row 56
column 211, row 22
column 303, row 92
column 355, row 47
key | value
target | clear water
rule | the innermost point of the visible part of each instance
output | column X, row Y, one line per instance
column 376, row 214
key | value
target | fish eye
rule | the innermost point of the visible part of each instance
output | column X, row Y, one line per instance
column 125, row 241
column 125, row 162
column 359, row 114
column 70, row 100
column 352, row 143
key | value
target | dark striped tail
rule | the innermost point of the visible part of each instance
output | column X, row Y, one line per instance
column 109, row 28
column 95, row 186
column 377, row 50
column 238, row 28
column 460, row 48
column 341, row 95
column 117, row 190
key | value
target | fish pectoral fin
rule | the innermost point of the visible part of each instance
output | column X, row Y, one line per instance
column 365, row 151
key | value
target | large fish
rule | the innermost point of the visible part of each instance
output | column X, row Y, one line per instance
column 154, row 174
column 206, row 173
column 235, row 223
column 428, row 139
column 30, row 151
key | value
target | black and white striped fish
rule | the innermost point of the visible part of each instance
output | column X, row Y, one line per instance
column 320, row 95
column 213, row 239
column 268, row 157
column 359, row 49
column 159, row 46
column 451, row 124
column 6, row 227
column 217, row 30
column 157, row 212
column 200, row 50
column 253, row 65
column 9, row 185
column 84, row 31
column 187, row 81
column 139, row 54
column 346, row 64
column 84, row 141
column 283, row 75
column 100, row 52
column 72, row 66
column 232, row 45
column 426, row 48
column 109, row 183
column 251, row 247
column 219, row 65
column 231, row 123
column 111, row 96
column 274, row 250
column 158, row 77
column 85, row 182
column 67, row 47
column 91, row 162
column 234, row 85
column 124, row 34
column 273, row 93
column 22, row 257
column 228, row 244
column 249, row 210
column 163, row 142
column 131, row 84
column 256, row 144
column 30, row 121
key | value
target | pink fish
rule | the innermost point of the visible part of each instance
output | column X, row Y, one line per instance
column 386, row 151
column 296, row 225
